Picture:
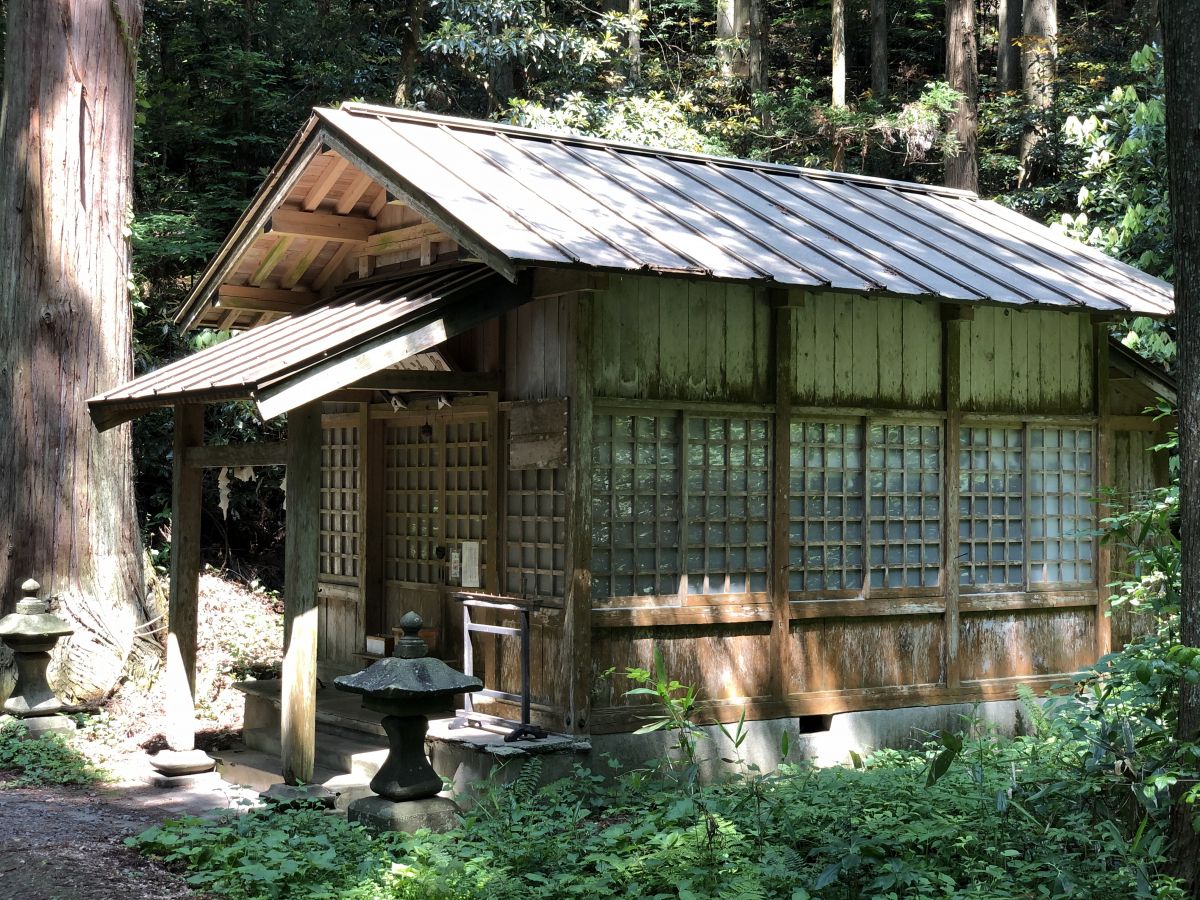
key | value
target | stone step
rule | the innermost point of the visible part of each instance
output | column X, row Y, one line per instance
column 337, row 752
column 258, row 770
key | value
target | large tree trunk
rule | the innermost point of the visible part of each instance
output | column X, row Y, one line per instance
column 733, row 21
column 879, row 49
column 1039, row 65
column 837, row 49
column 410, row 49
column 962, row 72
column 66, row 493
column 1008, row 54
column 756, row 53
column 1182, row 30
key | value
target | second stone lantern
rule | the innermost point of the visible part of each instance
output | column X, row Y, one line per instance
column 407, row 687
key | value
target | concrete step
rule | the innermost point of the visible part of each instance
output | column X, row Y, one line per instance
column 258, row 770
column 337, row 752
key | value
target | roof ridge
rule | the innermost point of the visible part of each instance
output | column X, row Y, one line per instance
column 486, row 125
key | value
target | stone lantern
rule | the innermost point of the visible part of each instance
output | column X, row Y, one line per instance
column 31, row 632
column 407, row 687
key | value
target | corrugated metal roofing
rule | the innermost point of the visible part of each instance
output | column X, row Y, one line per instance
column 251, row 362
column 523, row 198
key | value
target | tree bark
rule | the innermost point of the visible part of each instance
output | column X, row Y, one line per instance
column 879, row 49
column 410, row 49
column 837, row 48
column 635, row 41
column 733, row 20
column 962, row 72
column 758, row 31
column 66, row 492
column 1008, row 54
column 1039, row 65
column 1182, row 69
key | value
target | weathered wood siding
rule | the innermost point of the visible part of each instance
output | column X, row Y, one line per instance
column 1026, row 643
column 860, row 352
column 1027, row 361
column 858, row 653
column 672, row 339
column 537, row 348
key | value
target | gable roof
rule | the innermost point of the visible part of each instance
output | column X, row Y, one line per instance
column 514, row 198
column 307, row 355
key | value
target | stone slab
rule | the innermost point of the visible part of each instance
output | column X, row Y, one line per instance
column 381, row 814
column 284, row 796
column 182, row 762
column 197, row 781
column 36, row 726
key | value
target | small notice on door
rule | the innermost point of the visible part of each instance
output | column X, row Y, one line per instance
column 470, row 564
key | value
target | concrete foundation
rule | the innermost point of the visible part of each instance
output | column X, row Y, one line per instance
column 380, row 814
column 821, row 740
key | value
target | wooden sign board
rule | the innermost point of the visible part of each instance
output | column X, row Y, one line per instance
column 537, row 434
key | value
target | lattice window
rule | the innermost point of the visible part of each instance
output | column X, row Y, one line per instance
column 535, row 524
column 635, row 505
column 991, row 506
column 1061, row 515
column 826, row 517
column 339, row 541
column 413, row 489
column 728, row 477
column 905, row 506
column 466, row 484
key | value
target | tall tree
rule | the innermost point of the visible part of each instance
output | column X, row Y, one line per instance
column 1008, row 53
column 733, row 20
column 66, row 494
column 962, row 72
column 756, row 53
column 879, row 49
column 410, row 49
column 837, row 48
column 1039, row 66
column 1182, row 71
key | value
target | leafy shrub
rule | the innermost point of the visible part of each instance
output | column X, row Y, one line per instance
column 50, row 759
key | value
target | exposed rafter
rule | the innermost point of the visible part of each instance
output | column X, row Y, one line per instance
column 271, row 260
column 256, row 299
column 353, row 194
column 320, row 190
column 296, row 223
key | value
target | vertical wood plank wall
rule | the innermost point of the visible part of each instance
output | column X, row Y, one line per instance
column 852, row 356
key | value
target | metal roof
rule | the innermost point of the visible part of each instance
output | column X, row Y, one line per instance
column 519, row 197
column 365, row 329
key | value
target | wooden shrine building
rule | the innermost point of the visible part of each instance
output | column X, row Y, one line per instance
column 829, row 442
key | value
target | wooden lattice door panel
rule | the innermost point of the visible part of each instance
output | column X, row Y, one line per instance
column 340, row 521
column 991, row 507
column 1061, row 512
column 535, row 523
column 435, row 494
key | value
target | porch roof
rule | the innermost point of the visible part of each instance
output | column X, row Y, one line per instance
column 304, row 356
column 515, row 198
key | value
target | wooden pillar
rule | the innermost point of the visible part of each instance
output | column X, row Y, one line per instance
column 301, row 554
column 371, row 500
column 576, row 652
column 951, row 357
column 180, row 672
column 779, row 586
column 1104, row 479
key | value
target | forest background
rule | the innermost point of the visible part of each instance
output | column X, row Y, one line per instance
column 1053, row 107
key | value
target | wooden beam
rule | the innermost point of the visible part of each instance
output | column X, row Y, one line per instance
column 353, row 194
column 183, row 603
column 299, row 223
column 431, row 380
column 217, row 456
column 378, row 203
column 260, row 299
column 1104, row 478
column 333, row 267
column 403, row 238
column 575, row 676
column 271, row 260
column 951, row 376
column 324, row 184
column 779, row 585
column 300, row 266
column 301, row 552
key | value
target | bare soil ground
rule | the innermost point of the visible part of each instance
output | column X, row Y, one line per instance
column 67, row 842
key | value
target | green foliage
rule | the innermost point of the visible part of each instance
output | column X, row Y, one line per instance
column 50, row 759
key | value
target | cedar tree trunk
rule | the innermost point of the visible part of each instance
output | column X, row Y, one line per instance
column 879, row 49
column 962, row 72
column 733, row 19
column 66, row 492
column 837, row 48
column 1008, row 54
column 1039, row 65
column 410, row 49
column 1182, row 30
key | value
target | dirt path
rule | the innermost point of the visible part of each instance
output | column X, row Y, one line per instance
column 66, row 842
